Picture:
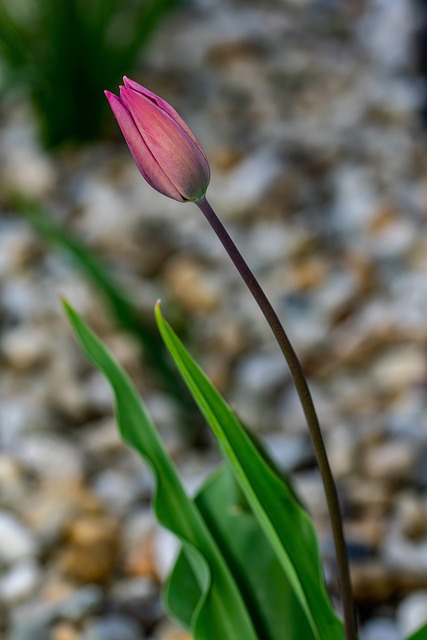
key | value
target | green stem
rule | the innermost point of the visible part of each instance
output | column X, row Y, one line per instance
column 308, row 408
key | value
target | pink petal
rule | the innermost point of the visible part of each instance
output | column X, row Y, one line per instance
column 165, row 106
column 174, row 150
column 144, row 159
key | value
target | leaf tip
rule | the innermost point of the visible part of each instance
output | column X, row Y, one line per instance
column 158, row 310
column 63, row 300
column 69, row 311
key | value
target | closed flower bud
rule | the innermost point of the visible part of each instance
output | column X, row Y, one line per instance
column 165, row 151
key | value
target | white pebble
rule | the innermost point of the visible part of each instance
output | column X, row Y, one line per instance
column 412, row 612
column 16, row 542
column 19, row 582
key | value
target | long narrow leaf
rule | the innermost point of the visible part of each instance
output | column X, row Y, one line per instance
column 285, row 523
column 220, row 613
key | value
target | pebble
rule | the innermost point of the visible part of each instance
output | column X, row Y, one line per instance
column 412, row 516
column 116, row 489
column 25, row 348
column 380, row 629
column 92, row 550
column 412, row 613
column 261, row 373
column 53, row 458
column 12, row 481
column 372, row 582
column 400, row 367
column 169, row 631
column 244, row 186
column 101, row 439
column 113, row 627
column 64, row 631
column 37, row 180
column 16, row 541
column 31, row 621
column 289, row 452
column 383, row 25
column 81, row 603
column 20, row 581
column 21, row 414
column 191, row 285
column 166, row 548
column 31, row 630
column 393, row 460
column 134, row 590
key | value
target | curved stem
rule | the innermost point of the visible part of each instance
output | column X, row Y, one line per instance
column 308, row 408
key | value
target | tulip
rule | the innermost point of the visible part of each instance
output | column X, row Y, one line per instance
column 166, row 152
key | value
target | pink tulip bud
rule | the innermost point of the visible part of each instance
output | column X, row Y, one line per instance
column 165, row 151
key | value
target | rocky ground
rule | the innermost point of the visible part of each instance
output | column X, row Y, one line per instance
column 308, row 112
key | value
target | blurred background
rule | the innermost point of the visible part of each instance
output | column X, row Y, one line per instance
column 313, row 115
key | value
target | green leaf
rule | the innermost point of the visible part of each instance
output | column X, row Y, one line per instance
column 419, row 634
column 182, row 580
column 285, row 523
column 269, row 597
column 220, row 611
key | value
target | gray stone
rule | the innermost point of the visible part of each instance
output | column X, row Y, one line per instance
column 31, row 621
column 386, row 31
column 289, row 452
column 116, row 489
column 165, row 551
column 20, row 581
column 31, row 630
column 134, row 590
column 245, row 185
column 262, row 372
column 380, row 629
column 412, row 613
column 113, row 627
column 21, row 414
column 84, row 602
column 54, row 458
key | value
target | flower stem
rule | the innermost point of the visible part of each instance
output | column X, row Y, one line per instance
column 308, row 408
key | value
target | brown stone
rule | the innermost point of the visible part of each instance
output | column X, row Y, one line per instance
column 368, row 496
column 64, row 631
column 369, row 531
column 393, row 461
column 376, row 583
column 412, row 517
column 372, row 582
column 307, row 274
column 191, row 286
column 92, row 552
column 141, row 560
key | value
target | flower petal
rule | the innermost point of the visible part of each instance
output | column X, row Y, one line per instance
column 170, row 144
column 144, row 159
column 165, row 106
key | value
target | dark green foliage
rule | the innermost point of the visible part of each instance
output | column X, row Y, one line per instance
column 66, row 52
